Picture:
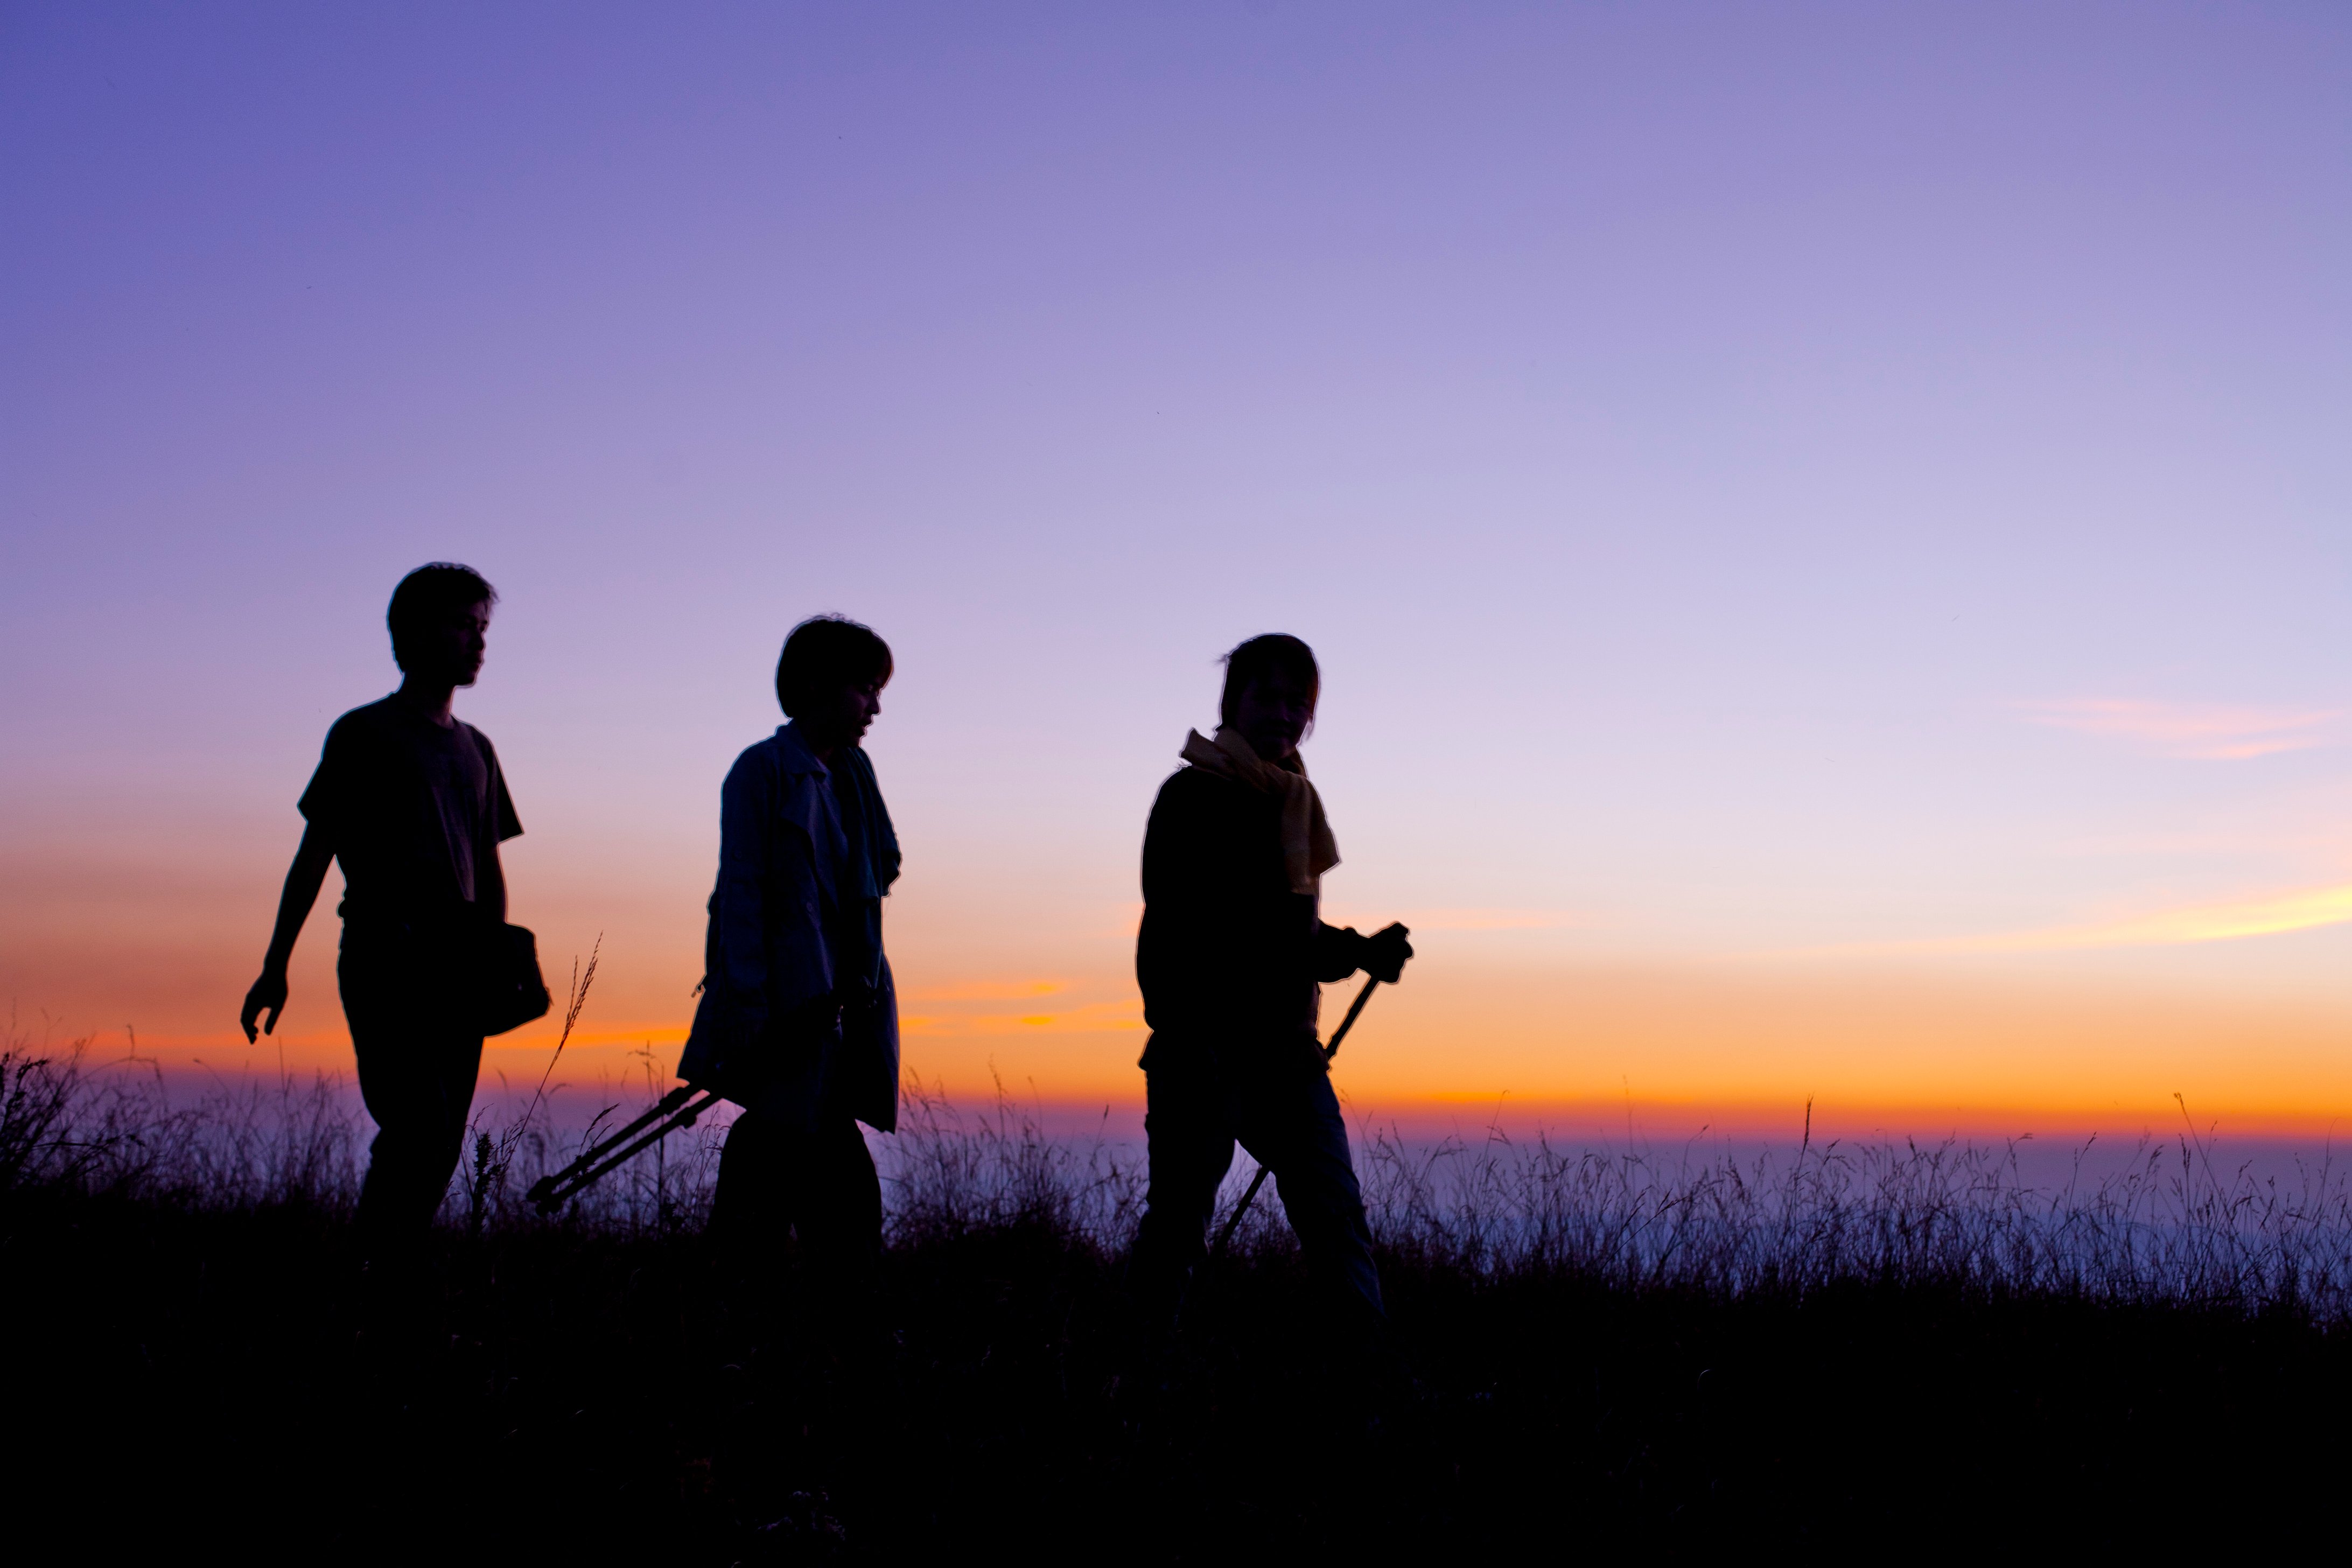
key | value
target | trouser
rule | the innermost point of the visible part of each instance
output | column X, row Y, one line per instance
column 419, row 1046
column 814, row 1178
column 1274, row 1098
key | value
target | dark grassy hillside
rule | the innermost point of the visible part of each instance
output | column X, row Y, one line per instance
column 195, row 1364
column 183, row 1378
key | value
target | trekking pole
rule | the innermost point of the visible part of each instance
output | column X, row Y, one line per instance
column 1329, row 1052
column 678, row 1109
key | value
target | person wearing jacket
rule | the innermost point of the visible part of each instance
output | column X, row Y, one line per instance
column 1230, row 958
column 798, row 1021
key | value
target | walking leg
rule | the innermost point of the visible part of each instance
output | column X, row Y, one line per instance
column 748, row 1204
column 1190, row 1147
column 418, row 1086
column 838, row 1199
column 1293, row 1126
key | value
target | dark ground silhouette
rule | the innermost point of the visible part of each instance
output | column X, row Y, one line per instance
column 185, row 1379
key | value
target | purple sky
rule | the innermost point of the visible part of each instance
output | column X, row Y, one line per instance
column 1810, row 492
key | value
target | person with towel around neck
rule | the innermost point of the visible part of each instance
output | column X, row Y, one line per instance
column 1230, row 958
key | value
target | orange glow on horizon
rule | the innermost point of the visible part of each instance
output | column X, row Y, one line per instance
column 1675, row 1047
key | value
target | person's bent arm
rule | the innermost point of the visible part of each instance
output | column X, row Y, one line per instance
column 303, row 880
column 739, row 912
column 1181, row 952
column 490, row 884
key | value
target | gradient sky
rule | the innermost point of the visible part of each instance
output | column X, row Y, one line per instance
column 1829, row 528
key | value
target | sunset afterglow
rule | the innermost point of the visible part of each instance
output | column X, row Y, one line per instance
column 1830, row 537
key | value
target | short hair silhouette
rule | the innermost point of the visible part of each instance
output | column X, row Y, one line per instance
column 429, row 593
column 824, row 654
column 1276, row 654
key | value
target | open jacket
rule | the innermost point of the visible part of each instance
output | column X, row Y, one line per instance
column 798, row 1012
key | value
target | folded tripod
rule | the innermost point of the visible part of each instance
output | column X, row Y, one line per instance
column 680, row 1107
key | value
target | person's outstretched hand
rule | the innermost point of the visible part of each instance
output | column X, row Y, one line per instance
column 267, row 995
column 1386, row 951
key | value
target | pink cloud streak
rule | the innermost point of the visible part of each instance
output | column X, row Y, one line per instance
column 2203, row 731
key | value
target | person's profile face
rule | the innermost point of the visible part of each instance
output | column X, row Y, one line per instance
column 849, row 712
column 454, row 646
column 1272, row 715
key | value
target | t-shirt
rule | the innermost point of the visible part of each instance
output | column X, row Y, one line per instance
column 415, row 812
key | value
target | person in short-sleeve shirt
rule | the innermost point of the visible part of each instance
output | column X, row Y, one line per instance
column 411, row 802
column 416, row 811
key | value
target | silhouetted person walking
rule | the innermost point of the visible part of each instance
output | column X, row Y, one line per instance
column 1231, row 957
column 412, row 802
column 799, row 1021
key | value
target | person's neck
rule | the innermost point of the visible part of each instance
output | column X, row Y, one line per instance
column 821, row 746
column 429, row 698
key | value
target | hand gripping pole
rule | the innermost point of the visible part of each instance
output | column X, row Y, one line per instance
column 680, row 1107
column 1329, row 1052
